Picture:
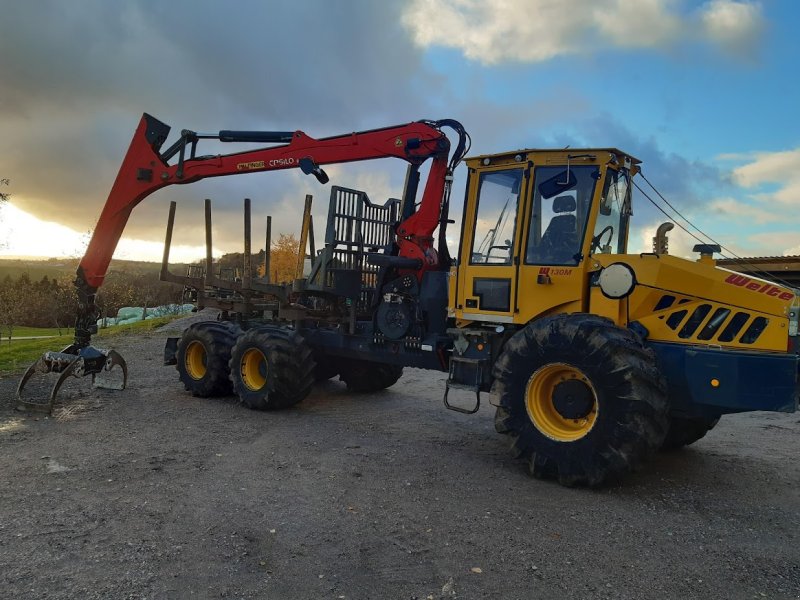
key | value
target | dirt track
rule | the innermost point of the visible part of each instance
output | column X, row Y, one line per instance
column 150, row 493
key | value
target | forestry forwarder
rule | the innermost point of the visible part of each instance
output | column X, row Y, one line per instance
column 595, row 358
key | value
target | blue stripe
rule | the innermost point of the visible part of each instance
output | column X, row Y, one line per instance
column 747, row 380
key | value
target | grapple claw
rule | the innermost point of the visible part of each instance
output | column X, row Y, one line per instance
column 87, row 361
column 113, row 358
column 45, row 365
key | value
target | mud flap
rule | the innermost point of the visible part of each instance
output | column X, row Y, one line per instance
column 170, row 351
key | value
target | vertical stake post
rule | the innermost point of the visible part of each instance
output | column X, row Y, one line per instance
column 268, row 250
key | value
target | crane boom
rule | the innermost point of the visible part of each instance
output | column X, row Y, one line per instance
column 146, row 169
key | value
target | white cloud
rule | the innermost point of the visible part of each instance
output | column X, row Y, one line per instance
column 75, row 80
column 679, row 241
column 491, row 31
column 774, row 243
column 735, row 209
column 495, row 31
column 734, row 25
column 773, row 182
column 778, row 170
column 757, row 218
column 650, row 24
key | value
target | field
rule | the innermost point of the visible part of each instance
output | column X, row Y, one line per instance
column 36, row 269
column 16, row 355
column 151, row 493
column 63, row 267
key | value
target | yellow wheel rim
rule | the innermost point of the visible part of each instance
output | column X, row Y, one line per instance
column 561, row 402
column 254, row 369
column 196, row 360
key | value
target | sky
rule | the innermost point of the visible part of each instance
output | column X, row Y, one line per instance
column 705, row 93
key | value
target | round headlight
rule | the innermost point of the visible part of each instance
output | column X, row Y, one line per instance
column 617, row 280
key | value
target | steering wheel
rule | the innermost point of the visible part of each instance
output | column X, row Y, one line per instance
column 598, row 238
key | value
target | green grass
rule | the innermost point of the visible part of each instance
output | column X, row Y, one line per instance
column 20, row 331
column 18, row 356
column 137, row 327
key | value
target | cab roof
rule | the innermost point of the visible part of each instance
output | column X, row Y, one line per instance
column 575, row 152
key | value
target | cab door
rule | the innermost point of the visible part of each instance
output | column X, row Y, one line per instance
column 553, row 263
column 491, row 244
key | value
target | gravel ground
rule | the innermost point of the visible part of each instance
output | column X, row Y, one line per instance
column 150, row 493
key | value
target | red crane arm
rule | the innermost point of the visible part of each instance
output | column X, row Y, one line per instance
column 144, row 170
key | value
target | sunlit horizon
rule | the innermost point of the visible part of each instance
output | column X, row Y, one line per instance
column 26, row 237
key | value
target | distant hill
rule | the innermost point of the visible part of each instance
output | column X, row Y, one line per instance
column 59, row 267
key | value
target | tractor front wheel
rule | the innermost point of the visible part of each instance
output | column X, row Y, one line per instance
column 271, row 368
column 683, row 432
column 581, row 399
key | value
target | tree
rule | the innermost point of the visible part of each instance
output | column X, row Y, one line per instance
column 133, row 287
column 4, row 196
column 12, row 303
column 59, row 300
column 283, row 259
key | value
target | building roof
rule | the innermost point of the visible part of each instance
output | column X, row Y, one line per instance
column 782, row 269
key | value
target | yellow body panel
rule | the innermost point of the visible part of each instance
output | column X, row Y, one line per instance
column 675, row 299
column 536, row 289
column 697, row 291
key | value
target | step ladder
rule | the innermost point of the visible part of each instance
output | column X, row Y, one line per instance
column 465, row 374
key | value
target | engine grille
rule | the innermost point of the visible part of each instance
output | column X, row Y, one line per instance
column 708, row 322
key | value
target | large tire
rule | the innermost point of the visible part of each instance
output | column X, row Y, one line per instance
column 271, row 368
column 683, row 432
column 581, row 399
column 326, row 367
column 367, row 376
column 202, row 356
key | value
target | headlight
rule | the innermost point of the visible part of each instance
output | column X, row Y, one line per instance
column 617, row 280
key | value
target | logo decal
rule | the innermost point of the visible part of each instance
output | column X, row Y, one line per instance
column 249, row 166
column 757, row 286
column 282, row 162
column 554, row 271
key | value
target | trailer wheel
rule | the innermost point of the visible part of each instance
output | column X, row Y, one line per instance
column 581, row 399
column 368, row 376
column 202, row 358
column 683, row 432
column 271, row 368
column 326, row 368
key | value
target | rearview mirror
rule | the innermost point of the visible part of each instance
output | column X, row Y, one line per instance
column 558, row 184
column 605, row 206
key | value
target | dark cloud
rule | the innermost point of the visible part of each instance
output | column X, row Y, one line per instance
column 689, row 185
column 77, row 76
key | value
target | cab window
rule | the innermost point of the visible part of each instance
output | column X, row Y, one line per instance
column 496, row 217
column 612, row 217
column 561, row 200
